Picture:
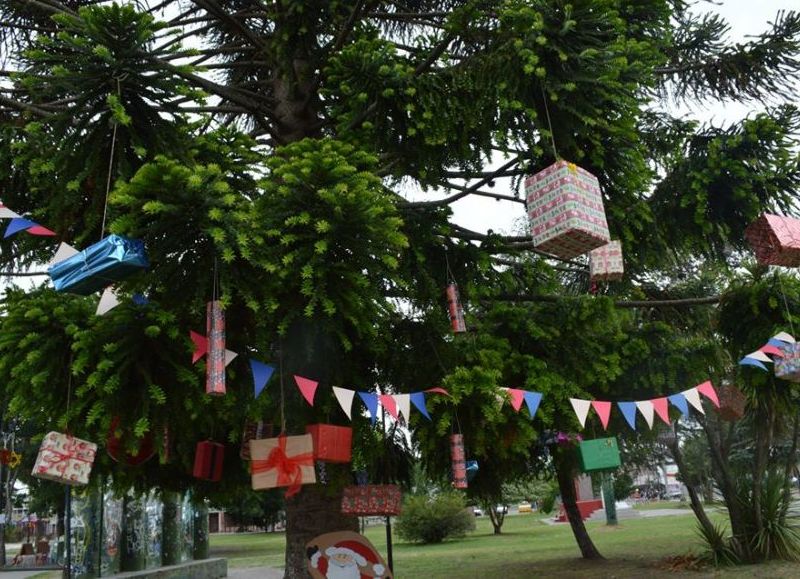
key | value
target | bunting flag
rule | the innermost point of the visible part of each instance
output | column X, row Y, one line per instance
column 418, row 400
column 628, row 410
column 201, row 348
column 6, row 213
column 345, row 398
column 108, row 301
column 307, row 388
column 581, row 408
column 532, row 400
column 18, row 224
column 517, row 398
column 261, row 374
column 759, row 355
column 403, row 402
column 661, row 407
column 693, row 397
column 679, row 402
column 371, row 402
column 774, row 350
column 230, row 356
column 603, row 410
column 388, row 403
column 707, row 390
column 646, row 408
column 438, row 390
column 784, row 337
column 748, row 361
column 64, row 251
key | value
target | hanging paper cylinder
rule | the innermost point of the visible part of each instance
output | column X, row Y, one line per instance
column 372, row 500
column 565, row 209
column 145, row 452
column 599, row 454
column 215, row 361
column 110, row 260
column 788, row 366
column 458, row 464
column 455, row 310
column 208, row 459
column 605, row 263
column 253, row 430
column 65, row 459
column 775, row 240
column 331, row 443
column 732, row 402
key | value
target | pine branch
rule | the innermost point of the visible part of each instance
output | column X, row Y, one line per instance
column 676, row 303
column 472, row 189
column 20, row 106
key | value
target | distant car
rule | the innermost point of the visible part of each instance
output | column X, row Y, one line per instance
column 501, row 509
column 525, row 508
column 477, row 511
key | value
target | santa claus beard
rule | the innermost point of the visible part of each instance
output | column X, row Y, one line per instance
column 337, row 572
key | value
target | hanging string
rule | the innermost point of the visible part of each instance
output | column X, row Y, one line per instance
column 280, row 371
column 111, row 159
column 786, row 305
column 549, row 123
column 448, row 272
column 69, row 392
column 215, row 282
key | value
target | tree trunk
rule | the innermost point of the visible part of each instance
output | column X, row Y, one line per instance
column 496, row 518
column 315, row 510
column 170, row 528
column 566, row 486
column 200, row 546
column 697, row 506
column 791, row 459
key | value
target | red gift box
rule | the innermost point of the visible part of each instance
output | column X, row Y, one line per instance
column 458, row 463
column 775, row 240
column 372, row 500
column 331, row 443
column 208, row 459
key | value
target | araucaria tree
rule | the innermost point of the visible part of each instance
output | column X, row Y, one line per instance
column 267, row 149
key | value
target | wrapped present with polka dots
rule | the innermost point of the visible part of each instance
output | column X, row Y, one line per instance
column 565, row 210
column 65, row 459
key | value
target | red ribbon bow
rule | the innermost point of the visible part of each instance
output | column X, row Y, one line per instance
column 288, row 468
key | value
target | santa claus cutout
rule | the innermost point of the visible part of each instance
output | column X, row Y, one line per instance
column 345, row 555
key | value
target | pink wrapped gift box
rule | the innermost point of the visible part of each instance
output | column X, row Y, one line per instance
column 64, row 458
column 565, row 209
column 605, row 263
column 372, row 500
column 775, row 240
column 787, row 367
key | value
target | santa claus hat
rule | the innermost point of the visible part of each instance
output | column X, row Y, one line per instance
column 363, row 554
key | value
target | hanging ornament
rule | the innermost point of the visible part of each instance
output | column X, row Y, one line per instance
column 65, row 459
column 787, row 366
column 145, row 452
column 605, row 263
column 215, row 362
column 775, row 240
column 208, row 460
column 455, row 310
column 732, row 403
column 599, row 454
column 458, row 464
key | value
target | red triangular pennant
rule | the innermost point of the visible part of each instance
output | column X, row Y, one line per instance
column 707, row 390
column 517, row 398
column 774, row 350
column 438, row 391
column 307, row 388
column 200, row 346
column 661, row 406
column 603, row 410
column 389, row 403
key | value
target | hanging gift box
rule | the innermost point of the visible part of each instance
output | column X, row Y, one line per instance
column 208, row 460
column 455, row 310
column 253, row 430
column 775, row 240
column 285, row 461
column 372, row 500
column 331, row 443
column 146, row 449
column 565, row 209
column 732, row 402
column 599, row 454
column 458, row 463
column 605, row 263
column 108, row 261
column 215, row 361
column 787, row 366
column 64, row 458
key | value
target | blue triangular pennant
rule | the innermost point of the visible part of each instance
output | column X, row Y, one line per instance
column 679, row 402
column 16, row 225
column 261, row 374
column 418, row 400
column 628, row 410
column 752, row 362
column 532, row 400
column 371, row 402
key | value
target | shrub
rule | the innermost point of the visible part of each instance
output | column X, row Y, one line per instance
column 432, row 519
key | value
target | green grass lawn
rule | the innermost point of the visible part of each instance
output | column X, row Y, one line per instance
column 527, row 548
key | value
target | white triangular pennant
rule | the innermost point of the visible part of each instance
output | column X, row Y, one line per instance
column 345, row 398
column 647, row 410
column 403, row 402
column 108, row 301
column 784, row 337
column 693, row 398
column 759, row 355
column 64, row 251
column 229, row 357
column 6, row 213
column 581, row 408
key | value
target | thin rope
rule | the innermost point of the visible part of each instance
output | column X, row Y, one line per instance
column 448, row 272
column 111, row 162
column 215, row 282
column 549, row 123
column 280, row 371
column 786, row 304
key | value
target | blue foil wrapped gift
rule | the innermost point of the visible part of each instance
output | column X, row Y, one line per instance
column 110, row 260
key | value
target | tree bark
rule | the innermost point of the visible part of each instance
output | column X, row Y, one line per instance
column 566, row 485
column 496, row 518
column 315, row 510
column 697, row 506
column 170, row 529
column 200, row 546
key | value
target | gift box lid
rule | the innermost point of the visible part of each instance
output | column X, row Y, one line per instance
column 599, row 454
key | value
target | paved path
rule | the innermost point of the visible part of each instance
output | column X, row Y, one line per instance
column 250, row 573
column 20, row 574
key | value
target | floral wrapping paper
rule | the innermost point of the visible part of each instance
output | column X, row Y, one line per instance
column 64, row 458
column 215, row 362
column 455, row 310
column 458, row 462
column 605, row 263
column 788, row 366
column 775, row 240
column 372, row 500
column 565, row 210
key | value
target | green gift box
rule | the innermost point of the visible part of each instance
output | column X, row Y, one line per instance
column 599, row 454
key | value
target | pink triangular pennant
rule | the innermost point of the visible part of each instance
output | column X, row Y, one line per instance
column 770, row 349
column 661, row 406
column 603, row 410
column 388, row 402
column 438, row 391
column 200, row 346
column 40, row 230
column 307, row 388
column 517, row 398
column 707, row 390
